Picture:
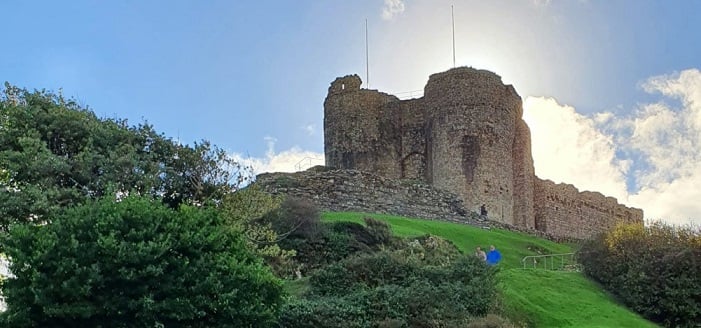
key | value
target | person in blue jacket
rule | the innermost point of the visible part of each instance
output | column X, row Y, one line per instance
column 493, row 257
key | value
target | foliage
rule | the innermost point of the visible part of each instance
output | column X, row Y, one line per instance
column 296, row 218
column 244, row 211
column 388, row 287
column 655, row 270
column 136, row 263
column 55, row 154
column 318, row 244
column 378, row 231
column 329, row 312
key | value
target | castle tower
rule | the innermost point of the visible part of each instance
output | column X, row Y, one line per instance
column 359, row 131
column 466, row 135
column 472, row 119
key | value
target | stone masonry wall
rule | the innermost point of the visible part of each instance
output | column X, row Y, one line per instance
column 364, row 137
column 357, row 191
column 352, row 190
column 524, row 177
column 411, row 115
column 562, row 210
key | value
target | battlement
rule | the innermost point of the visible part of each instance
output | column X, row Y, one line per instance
column 345, row 84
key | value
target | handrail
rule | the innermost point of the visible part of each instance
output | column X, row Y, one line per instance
column 409, row 94
column 551, row 257
column 305, row 163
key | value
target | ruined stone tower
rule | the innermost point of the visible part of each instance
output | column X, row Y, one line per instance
column 465, row 135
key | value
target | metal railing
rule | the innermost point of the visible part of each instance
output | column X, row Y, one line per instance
column 409, row 94
column 550, row 261
column 308, row 162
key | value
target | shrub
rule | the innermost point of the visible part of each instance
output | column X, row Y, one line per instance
column 296, row 218
column 379, row 232
column 327, row 243
column 324, row 312
column 365, row 270
column 136, row 263
column 328, row 247
column 431, row 250
column 388, row 288
column 655, row 270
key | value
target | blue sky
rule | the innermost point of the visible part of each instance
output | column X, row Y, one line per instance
column 618, row 78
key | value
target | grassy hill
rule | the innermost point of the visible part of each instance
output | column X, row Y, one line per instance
column 538, row 297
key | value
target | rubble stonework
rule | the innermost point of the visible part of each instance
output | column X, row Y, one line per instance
column 466, row 136
column 358, row 191
column 562, row 210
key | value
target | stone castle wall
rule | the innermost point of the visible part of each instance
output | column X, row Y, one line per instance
column 562, row 210
column 524, row 178
column 466, row 136
column 358, row 191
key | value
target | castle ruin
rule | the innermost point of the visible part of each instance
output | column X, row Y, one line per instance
column 465, row 135
column 462, row 148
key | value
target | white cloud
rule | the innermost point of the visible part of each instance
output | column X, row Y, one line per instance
column 392, row 8
column 291, row 160
column 669, row 140
column 567, row 147
column 657, row 147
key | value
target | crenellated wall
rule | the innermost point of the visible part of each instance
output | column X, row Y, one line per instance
column 466, row 135
column 562, row 210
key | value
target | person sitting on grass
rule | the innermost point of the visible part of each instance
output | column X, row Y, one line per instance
column 493, row 257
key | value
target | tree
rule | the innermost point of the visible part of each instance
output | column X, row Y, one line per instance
column 136, row 263
column 244, row 211
column 56, row 154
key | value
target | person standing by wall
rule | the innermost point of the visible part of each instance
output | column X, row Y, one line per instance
column 493, row 257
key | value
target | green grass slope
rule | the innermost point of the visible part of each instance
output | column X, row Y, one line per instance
column 537, row 297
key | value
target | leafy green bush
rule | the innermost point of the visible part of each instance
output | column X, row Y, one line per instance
column 379, row 232
column 136, row 263
column 296, row 218
column 655, row 270
column 318, row 244
column 365, row 270
column 398, row 288
column 323, row 312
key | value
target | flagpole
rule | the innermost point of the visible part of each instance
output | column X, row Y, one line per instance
column 452, row 17
column 367, row 60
